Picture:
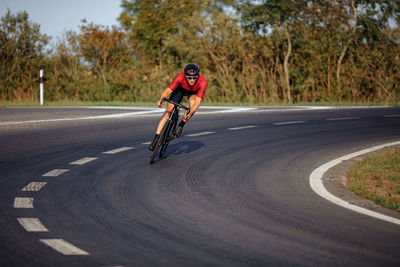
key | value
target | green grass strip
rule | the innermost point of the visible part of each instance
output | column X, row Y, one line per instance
column 377, row 178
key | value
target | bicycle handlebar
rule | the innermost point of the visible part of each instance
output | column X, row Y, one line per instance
column 176, row 104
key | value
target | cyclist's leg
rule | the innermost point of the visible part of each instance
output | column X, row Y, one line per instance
column 158, row 142
column 160, row 126
column 191, row 99
column 164, row 118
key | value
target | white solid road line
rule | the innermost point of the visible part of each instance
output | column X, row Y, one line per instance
column 391, row 116
column 64, row 247
column 83, row 161
column 55, row 172
column 122, row 107
column 23, row 202
column 233, row 109
column 317, row 185
column 199, row 134
column 241, row 128
column 115, row 151
column 34, row 186
column 342, row 119
column 147, row 111
column 109, row 116
column 32, row 225
column 146, row 143
column 289, row 122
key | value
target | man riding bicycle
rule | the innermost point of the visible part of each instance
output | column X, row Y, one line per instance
column 189, row 83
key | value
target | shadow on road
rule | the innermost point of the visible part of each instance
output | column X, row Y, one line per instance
column 185, row 147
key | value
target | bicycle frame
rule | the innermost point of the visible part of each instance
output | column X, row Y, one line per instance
column 171, row 125
column 167, row 133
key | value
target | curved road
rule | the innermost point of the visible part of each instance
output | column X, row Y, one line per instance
column 233, row 190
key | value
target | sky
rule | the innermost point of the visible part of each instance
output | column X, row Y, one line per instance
column 57, row 16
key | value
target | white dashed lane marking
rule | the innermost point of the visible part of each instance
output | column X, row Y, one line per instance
column 64, row 247
column 241, row 128
column 288, row 122
column 342, row 119
column 55, row 172
column 199, row 134
column 83, row 161
column 32, row 225
column 115, row 151
column 23, row 202
column 34, row 186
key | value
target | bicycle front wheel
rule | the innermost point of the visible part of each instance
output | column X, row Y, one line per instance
column 168, row 137
column 159, row 142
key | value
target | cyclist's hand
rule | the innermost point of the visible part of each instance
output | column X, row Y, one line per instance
column 187, row 116
column 160, row 103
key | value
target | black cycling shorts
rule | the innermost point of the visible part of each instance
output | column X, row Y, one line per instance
column 178, row 94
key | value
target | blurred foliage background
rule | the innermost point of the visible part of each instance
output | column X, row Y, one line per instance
column 251, row 51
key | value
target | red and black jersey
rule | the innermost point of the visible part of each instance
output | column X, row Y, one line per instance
column 200, row 86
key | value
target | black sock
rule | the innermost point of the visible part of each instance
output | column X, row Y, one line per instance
column 182, row 123
column 156, row 136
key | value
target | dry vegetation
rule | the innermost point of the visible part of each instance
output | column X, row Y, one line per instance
column 377, row 178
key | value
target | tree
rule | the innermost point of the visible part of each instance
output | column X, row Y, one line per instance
column 68, row 78
column 352, row 31
column 21, row 56
column 261, row 16
column 151, row 21
column 105, row 50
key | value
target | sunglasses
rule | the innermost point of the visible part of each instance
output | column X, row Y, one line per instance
column 192, row 77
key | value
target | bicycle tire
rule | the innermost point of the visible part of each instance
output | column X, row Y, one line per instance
column 168, row 137
column 158, row 144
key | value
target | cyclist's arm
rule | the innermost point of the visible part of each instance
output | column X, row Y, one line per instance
column 165, row 94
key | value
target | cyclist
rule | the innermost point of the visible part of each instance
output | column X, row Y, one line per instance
column 189, row 83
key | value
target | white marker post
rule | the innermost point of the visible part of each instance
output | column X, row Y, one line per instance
column 41, row 88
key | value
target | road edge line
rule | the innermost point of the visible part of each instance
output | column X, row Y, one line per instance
column 317, row 185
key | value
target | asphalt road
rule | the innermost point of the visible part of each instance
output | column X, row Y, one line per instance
column 233, row 190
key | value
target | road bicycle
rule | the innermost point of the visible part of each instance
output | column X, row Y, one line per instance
column 167, row 134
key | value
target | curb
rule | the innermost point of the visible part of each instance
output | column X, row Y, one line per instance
column 317, row 184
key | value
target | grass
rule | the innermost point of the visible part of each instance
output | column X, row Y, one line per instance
column 377, row 178
column 205, row 103
column 73, row 103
